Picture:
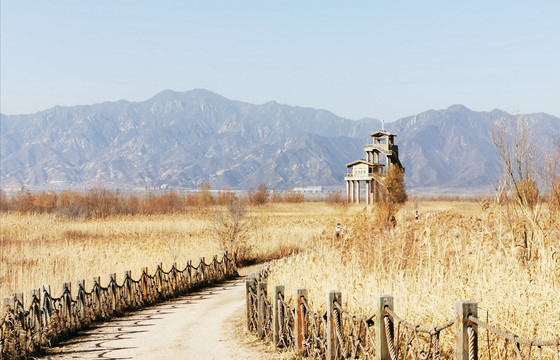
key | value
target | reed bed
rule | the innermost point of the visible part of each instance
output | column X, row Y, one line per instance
column 454, row 252
column 38, row 249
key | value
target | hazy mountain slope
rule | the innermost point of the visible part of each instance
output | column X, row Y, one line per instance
column 184, row 138
column 452, row 148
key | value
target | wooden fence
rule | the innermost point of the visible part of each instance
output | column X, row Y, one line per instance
column 336, row 334
column 24, row 330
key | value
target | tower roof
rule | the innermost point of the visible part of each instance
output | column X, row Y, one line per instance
column 381, row 133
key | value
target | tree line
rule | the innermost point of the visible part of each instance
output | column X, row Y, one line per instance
column 100, row 203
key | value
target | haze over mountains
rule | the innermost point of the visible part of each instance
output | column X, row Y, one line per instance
column 181, row 139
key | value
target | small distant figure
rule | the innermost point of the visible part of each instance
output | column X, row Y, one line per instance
column 337, row 230
column 416, row 215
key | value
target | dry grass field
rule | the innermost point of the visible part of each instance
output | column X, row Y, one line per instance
column 48, row 249
column 455, row 251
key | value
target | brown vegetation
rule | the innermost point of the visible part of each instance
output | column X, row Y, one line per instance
column 39, row 248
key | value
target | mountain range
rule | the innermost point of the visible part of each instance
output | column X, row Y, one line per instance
column 181, row 139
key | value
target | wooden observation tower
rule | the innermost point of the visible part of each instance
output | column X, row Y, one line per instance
column 380, row 156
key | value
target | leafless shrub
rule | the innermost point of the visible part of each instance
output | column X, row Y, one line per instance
column 232, row 229
column 519, row 190
column 291, row 196
column 336, row 199
column 225, row 197
column 259, row 197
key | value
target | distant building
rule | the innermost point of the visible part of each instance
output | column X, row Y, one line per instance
column 309, row 189
column 380, row 156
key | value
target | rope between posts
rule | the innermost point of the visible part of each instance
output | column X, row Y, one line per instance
column 406, row 324
column 514, row 338
column 389, row 337
column 354, row 340
column 336, row 314
column 470, row 334
column 48, row 319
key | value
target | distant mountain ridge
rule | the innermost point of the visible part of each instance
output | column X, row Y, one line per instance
column 181, row 139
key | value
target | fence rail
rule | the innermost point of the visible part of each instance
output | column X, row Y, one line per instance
column 23, row 331
column 337, row 334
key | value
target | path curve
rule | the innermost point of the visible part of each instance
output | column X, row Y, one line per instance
column 194, row 326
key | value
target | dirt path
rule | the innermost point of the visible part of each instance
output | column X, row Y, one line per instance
column 201, row 325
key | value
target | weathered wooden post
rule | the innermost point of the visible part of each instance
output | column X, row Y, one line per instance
column 189, row 273
column 381, row 341
column 67, row 302
column 465, row 349
column 80, row 301
column 128, row 287
column 144, row 283
column 214, row 275
column 225, row 261
column 333, row 322
column 19, row 298
column 35, row 294
column 174, row 277
column 300, row 320
column 113, row 291
column 46, row 306
column 96, row 297
column 261, row 299
column 277, row 312
column 250, row 289
column 202, row 268
column 159, row 278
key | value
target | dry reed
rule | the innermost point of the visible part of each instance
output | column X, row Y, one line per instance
column 38, row 249
column 454, row 252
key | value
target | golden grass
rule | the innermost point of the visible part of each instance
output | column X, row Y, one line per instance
column 454, row 252
column 46, row 249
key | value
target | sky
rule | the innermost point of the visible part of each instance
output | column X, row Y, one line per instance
column 378, row 59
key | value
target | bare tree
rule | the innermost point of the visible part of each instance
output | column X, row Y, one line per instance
column 232, row 229
column 260, row 197
column 518, row 191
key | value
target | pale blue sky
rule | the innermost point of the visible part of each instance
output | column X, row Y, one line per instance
column 381, row 59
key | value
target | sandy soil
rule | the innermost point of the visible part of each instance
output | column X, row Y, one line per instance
column 204, row 325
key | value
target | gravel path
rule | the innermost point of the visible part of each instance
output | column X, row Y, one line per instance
column 195, row 326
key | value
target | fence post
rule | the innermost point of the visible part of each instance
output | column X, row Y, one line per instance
column 128, row 287
column 299, row 323
column 189, row 273
column 278, row 293
column 80, row 301
column 36, row 311
column 215, row 268
column 96, row 301
column 113, row 290
column 381, row 341
column 174, row 277
column 261, row 299
column 19, row 298
column 201, row 267
column 225, row 261
column 462, row 311
column 45, row 289
column 67, row 301
column 332, row 320
column 250, row 288
column 144, row 283
column 159, row 278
